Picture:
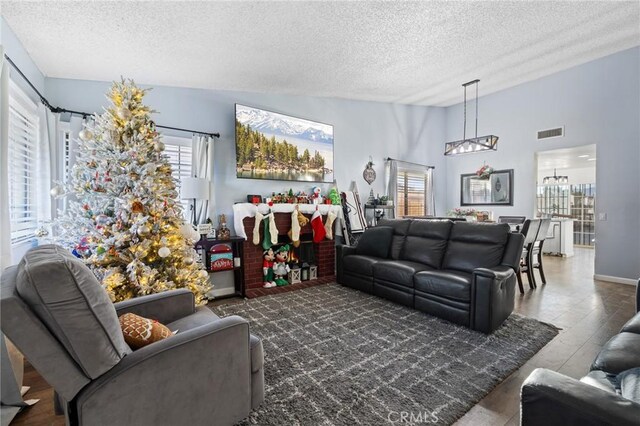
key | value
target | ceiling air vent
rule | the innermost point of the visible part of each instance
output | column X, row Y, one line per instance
column 558, row 132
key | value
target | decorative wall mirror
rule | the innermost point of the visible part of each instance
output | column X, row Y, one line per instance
column 495, row 189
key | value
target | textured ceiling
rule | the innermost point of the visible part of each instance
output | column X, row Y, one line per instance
column 405, row 52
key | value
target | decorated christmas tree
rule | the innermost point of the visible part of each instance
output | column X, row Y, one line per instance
column 123, row 216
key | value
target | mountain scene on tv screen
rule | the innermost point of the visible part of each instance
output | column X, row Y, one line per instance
column 276, row 146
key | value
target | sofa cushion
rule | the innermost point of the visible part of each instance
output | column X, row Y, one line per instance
column 362, row 265
column 427, row 241
column 633, row 325
column 375, row 242
column 475, row 245
column 70, row 301
column 630, row 384
column 201, row 316
column 449, row 284
column 601, row 380
column 400, row 230
column 139, row 331
column 620, row 353
column 397, row 271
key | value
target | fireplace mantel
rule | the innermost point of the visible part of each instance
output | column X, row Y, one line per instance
column 241, row 211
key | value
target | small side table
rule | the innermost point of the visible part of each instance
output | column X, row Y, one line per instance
column 375, row 212
column 237, row 248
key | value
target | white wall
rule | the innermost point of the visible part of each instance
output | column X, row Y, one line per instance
column 598, row 103
column 361, row 129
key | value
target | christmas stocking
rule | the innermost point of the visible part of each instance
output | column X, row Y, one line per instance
column 294, row 232
column 273, row 231
column 256, row 228
column 328, row 225
column 317, row 226
column 266, row 240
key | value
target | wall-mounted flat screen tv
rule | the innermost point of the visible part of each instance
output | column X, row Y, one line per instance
column 275, row 146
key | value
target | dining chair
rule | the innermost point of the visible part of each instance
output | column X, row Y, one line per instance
column 537, row 248
column 514, row 221
column 530, row 229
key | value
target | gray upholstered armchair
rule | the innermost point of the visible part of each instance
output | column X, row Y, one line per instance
column 58, row 315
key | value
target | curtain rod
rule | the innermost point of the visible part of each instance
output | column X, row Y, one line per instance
column 409, row 162
column 55, row 109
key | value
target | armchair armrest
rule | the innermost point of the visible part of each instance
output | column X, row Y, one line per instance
column 492, row 297
column 550, row 398
column 165, row 307
column 194, row 377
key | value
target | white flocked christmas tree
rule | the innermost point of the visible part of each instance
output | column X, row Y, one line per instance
column 123, row 216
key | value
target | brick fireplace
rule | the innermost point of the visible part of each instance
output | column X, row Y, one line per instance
column 323, row 253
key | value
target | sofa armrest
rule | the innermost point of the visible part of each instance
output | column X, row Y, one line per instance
column 190, row 378
column 165, row 307
column 492, row 297
column 550, row 398
column 341, row 252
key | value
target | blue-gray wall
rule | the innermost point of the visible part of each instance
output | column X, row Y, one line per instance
column 14, row 49
column 598, row 103
column 361, row 129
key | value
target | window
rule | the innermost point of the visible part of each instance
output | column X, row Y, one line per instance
column 412, row 189
column 179, row 152
column 23, row 141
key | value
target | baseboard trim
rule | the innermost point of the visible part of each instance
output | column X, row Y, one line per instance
column 222, row 291
column 618, row 280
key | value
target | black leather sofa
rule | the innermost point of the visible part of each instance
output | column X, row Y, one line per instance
column 609, row 394
column 460, row 271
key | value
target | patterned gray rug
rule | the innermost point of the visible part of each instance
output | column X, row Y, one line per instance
column 336, row 356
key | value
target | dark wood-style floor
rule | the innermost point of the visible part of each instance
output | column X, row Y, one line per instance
column 589, row 313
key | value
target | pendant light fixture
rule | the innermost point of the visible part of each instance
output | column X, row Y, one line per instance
column 555, row 179
column 475, row 144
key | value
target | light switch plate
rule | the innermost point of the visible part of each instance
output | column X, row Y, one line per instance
column 602, row 216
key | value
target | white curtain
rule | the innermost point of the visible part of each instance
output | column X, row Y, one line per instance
column 391, row 179
column 202, row 167
column 430, row 201
column 46, row 163
column 5, row 226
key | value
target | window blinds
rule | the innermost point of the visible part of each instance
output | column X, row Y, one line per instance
column 412, row 193
column 23, row 138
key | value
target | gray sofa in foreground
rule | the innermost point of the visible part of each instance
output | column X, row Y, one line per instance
column 57, row 313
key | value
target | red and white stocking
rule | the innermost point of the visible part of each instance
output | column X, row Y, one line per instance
column 318, row 227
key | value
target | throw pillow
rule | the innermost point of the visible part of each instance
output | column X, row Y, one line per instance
column 139, row 331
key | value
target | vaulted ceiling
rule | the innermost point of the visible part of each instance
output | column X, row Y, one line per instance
column 405, row 52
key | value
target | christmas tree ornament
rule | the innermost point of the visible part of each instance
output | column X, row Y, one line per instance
column 151, row 168
column 123, row 113
column 134, row 176
column 137, row 207
column 158, row 146
column 102, row 219
column 41, row 232
column 143, row 231
column 57, row 191
column 187, row 260
column 85, row 134
column 164, row 252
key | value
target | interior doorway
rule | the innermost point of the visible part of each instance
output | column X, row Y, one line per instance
column 566, row 192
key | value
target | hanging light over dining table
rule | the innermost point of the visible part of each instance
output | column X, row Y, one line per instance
column 475, row 144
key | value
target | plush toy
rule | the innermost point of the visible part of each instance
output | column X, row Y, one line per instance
column 334, row 197
column 298, row 220
column 267, row 269
column 280, row 268
column 316, row 198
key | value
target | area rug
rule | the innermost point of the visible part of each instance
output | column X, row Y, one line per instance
column 337, row 356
